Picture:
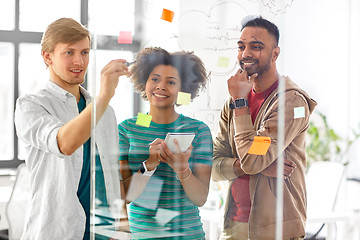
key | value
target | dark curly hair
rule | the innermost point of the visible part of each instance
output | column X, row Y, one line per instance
column 190, row 67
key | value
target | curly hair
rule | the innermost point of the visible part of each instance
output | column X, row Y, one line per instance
column 189, row 66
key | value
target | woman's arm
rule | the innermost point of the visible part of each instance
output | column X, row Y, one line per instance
column 196, row 182
column 135, row 184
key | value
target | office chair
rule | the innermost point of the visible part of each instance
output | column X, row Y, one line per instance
column 323, row 181
column 16, row 207
column 4, row 234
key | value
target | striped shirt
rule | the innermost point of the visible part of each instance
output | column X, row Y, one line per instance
column 163, row 207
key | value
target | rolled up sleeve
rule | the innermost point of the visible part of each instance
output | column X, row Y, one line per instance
column 36, row 127
column 224, row 156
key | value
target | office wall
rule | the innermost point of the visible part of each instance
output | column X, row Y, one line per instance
column 318, row 42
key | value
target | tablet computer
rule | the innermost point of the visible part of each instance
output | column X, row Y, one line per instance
column 184, row 140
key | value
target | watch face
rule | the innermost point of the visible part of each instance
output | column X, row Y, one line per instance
column 239, row 103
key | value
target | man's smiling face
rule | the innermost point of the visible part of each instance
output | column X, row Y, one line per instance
column 256, row 50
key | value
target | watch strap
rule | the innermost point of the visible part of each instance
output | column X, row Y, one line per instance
column 145, row 171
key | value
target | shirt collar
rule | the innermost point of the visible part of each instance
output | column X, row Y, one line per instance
column 62, row 94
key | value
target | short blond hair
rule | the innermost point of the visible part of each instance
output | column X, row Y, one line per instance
column 63, row 30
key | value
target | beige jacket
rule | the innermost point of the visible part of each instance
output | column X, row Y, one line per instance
column 233, row 141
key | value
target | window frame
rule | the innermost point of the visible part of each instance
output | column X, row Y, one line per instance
column 16, row 37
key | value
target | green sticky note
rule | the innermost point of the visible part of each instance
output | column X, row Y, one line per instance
column 299, row 112
column 183, row 98
column 223, row 62
column 143, row 119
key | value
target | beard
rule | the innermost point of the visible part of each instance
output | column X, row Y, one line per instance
column 258, row 67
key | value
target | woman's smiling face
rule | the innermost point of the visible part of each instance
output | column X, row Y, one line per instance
column 162, row 86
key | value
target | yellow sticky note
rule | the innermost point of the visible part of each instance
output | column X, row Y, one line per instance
column 167, row 15
column 223, row 61
column 143, row 119
column 260, row 145
column 299, row 112
column 183, row 98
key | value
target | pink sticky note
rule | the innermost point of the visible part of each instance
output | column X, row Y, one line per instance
column 125, row 37
column 167, row 15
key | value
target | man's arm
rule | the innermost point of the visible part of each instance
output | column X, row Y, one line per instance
column 35, row 125
column 244, row 133
column 271, row 170
column 226, row 165
column 239, row 86
column 77, row 131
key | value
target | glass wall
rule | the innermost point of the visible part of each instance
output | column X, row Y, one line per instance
column 234, row 181
column 157, row 206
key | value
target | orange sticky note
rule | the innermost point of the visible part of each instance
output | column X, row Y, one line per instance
column 125, row 37
column 183, row 98
column 143, row 119
column 260, row 145
column 167, row 15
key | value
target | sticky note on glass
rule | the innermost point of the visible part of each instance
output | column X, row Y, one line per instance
column 143, row 119
column 125, row 37
column 299, row 112
column 183, row 98
column 223, row 62
column 167, row 15
column 260, row 145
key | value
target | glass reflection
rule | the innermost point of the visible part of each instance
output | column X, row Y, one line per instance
column 124, row 91
column 54, row 123
column 247, row 151
column 212, row 30
column 165, row 186
column 214, row 39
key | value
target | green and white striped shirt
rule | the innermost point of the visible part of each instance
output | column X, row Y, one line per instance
column 163, row 207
